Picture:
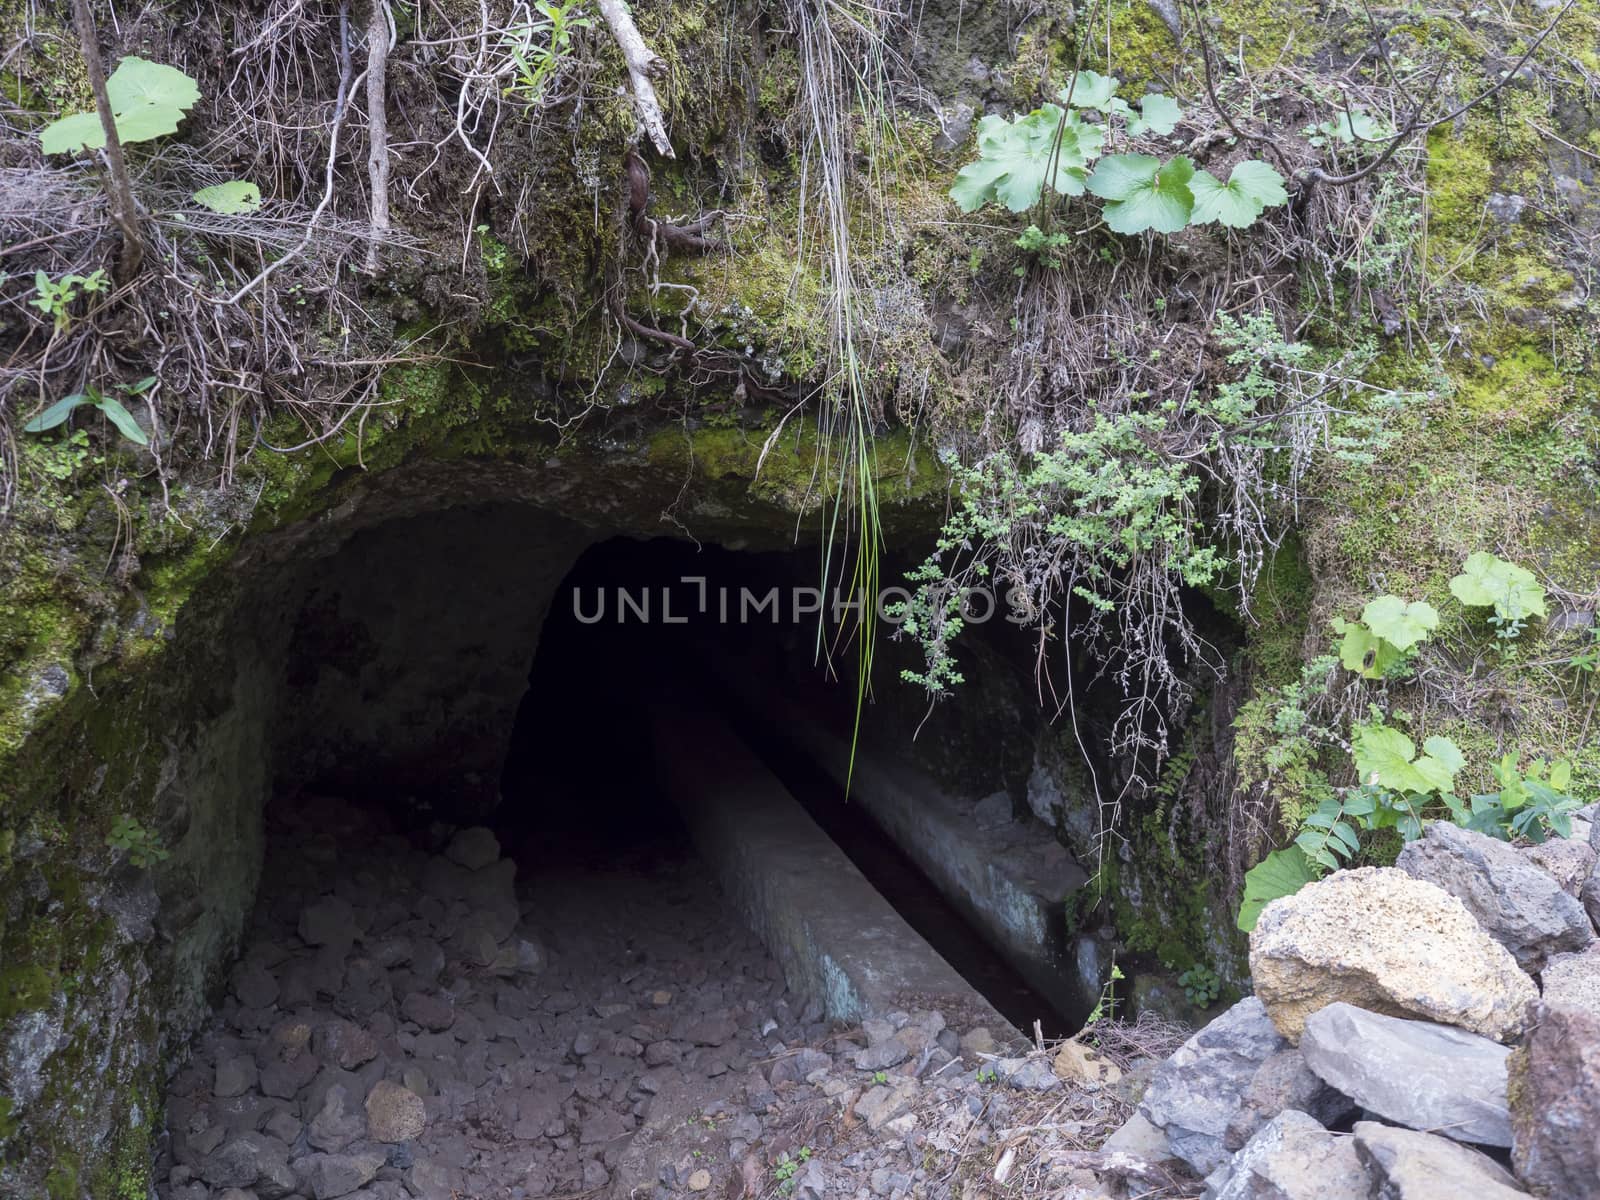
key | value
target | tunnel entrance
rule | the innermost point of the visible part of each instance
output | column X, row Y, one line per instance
column 447, row 996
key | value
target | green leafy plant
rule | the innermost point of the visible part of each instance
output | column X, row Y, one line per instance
column 1280, row 873
column 1201, row 985
column 880, row 1077
column 786, row 1168
column 1157, row 114
column 1531, row 806
column 1019, row 157
column 1090, row 89
column 540, row 47
column 1386, row 758
column 1106, row 1006
column 1144, row 193
column 1382, row 642
column 1105, row 492
column 1252, row 188
column 147, row 101
column 55, row 296
column 1397, row 785
column 1350, row 126
column 231, row 198
column 1512, row 591
column 1051, row 149
column 143, row 848
column 1587, row 660
column 113, row 409
column 1046, row 248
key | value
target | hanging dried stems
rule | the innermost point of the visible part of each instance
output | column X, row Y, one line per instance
column 224, row 351
column 1174, row 368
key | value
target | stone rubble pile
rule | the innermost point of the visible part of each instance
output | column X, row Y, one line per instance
column 409, row 1025
column 397, row 1028
column 404, row 1024
column 1420, row 1032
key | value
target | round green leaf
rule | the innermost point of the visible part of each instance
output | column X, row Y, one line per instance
column 137, row 81
column 1251, row 187
column 1015, row 159
column 146, row 122
column 1401, row 624
column 1281, row 873
column 1446, row 752
column 235, row 196
column 80, row 131
column 1157, row 114
column 1383, row 756
column 1118, row 176
column 1486, row 581
column 1258, row 180
column 1089, row 89
column 1144, row 193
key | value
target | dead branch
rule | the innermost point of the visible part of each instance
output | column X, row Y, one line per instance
column 643, row 63
column 1417, row 121
column 380, row 31
column 123, row 209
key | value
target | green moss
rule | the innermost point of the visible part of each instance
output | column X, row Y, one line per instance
column 789, row 473
column 1523, row 383
column 62, row 1182
column 24, row 989
column 1281, row 608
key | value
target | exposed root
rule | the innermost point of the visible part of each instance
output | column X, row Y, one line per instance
column 687, row 237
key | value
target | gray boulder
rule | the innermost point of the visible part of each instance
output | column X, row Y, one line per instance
column 1377, row 938
column 1521, row 905
column 1555, row 1077
column 1573, row 980
column 1196, row 1094
column 1140, row 1140
column 1589, row 895
column 1292, row 1157
column 327, row 1176
column 251, row 1160
column 1417, row 1073
column 337, row 1124
column 1406, row 1165
column 330, row 921
column 473, row 848
column 1569, row 859
column 1285, row 1081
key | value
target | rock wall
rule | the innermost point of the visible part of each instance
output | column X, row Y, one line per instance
column 411, row 651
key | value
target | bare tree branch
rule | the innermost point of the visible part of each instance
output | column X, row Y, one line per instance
column 643, row 63
column 380, row 26
column 123, row 209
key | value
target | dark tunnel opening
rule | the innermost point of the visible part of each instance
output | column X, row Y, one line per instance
column 663, row 622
